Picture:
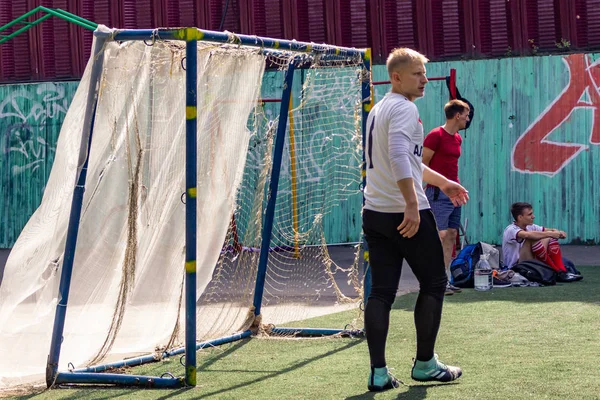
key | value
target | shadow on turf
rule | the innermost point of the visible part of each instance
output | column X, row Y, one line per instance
column 414, row 392
column 273, row 374
column 212, row 359
column 84, row 391
column 89, row 391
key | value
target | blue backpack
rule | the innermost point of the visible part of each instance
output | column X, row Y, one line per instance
column 463, row 266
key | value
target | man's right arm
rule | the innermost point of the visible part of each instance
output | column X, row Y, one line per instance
column 404, row 120
column 535, row 235
column 430, row 145
column 427, row 155
column 562, row 234
column 407, row 187
column 410, row 224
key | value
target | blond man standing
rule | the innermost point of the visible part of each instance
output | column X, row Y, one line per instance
column 399, row 224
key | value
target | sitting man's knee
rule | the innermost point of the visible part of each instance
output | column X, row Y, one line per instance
column 526, row 253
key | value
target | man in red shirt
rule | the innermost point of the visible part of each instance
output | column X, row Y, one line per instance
column 441, row 151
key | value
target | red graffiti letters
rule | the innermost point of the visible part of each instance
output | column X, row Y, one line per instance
column 533, row 153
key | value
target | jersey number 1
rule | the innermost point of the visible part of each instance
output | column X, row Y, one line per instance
column 370, row 143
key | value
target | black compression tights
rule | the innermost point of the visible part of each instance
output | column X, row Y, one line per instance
column 424, row 254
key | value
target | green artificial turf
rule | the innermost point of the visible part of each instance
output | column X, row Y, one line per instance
column 512, row 343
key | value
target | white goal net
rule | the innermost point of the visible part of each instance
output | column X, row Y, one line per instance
column 127, row 289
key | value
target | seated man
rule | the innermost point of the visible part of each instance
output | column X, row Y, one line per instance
column 524, row 240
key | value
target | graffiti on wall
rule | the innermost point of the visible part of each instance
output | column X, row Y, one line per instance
column 24, row 118
column 29, row 126
column 533, row 152
column 31, row 116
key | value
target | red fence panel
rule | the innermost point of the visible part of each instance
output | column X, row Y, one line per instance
column 16, row 55
column 105, row 12
column 586, row 20
column 493, row 33
column 263, row 18
column 182, row 13
column 141, row 13
column 61, row 51
column 441, row 29
column 397, row 24
column 542, row 25
column 446, row 29
column 353, row 23
column 310, row 21
column 216, row 9
column 51, row 50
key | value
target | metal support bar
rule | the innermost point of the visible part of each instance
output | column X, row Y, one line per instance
column 23, row 29
column 367, row 104
column 132, row 362
column 19, row 19
column 273, row 186
column 67, row 16
column 246, row 40
column 73, row 18
column 317, row 332
column 191, row 162
column 76, row 206
column 119, row 379
column 223, row 340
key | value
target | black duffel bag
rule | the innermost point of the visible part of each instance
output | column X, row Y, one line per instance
column 536, row 271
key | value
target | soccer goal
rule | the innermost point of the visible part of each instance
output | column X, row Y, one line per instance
column 206, row 188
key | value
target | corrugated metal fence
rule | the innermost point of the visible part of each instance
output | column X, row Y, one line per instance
column 441, row 29
column 535, row 138
column 30, row 120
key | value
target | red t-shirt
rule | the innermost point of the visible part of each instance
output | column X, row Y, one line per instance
column 447, row 152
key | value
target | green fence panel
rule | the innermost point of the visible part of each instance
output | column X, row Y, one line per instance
column 535, row 137
column 30, row 119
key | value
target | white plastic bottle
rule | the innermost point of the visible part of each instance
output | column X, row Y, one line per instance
column 483, row 274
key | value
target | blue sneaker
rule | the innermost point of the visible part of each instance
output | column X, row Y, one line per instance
column 381, row 379
column 434, row 370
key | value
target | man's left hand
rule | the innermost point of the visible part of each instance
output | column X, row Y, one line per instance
column 456, row 193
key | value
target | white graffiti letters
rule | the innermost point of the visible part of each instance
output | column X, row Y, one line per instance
column 28, row 116
column 49, row 102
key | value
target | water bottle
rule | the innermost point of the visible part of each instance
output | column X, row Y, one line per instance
column 483, row 273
